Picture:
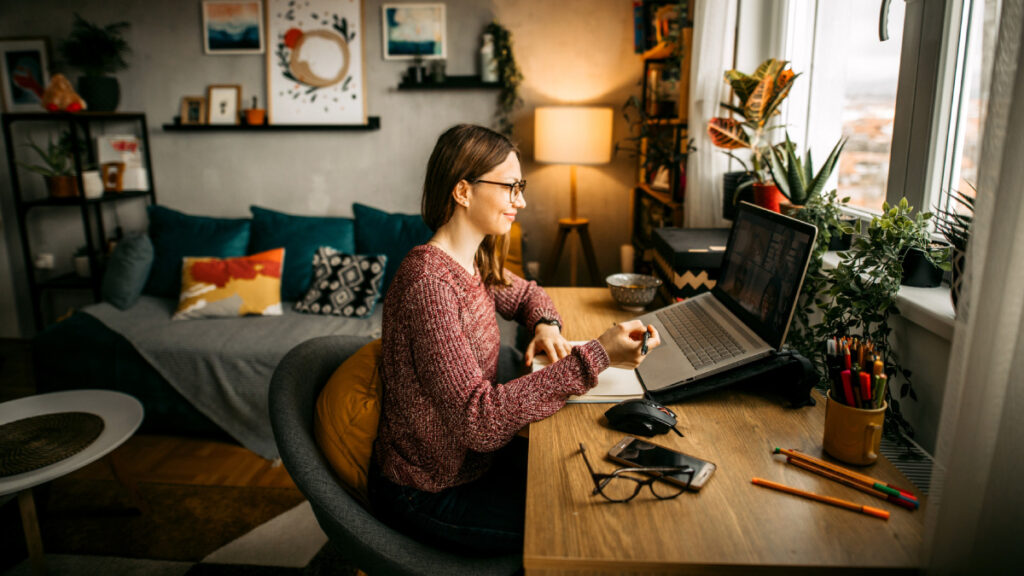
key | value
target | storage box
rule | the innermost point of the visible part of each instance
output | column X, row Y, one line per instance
column 688, row 259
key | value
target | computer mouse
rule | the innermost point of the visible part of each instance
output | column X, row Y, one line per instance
column 640, row 416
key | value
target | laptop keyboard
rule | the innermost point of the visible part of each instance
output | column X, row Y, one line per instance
column 703, row 340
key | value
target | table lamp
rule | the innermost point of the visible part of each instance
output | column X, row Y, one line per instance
column 573, row 135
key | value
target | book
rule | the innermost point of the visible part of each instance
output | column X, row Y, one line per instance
column 613, row 385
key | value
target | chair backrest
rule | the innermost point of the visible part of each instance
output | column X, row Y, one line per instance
column 355, row 533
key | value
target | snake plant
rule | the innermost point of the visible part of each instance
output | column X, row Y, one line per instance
column 795, row 178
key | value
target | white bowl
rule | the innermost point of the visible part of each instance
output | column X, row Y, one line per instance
column 633, row 292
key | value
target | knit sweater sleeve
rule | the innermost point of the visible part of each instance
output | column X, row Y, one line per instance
column 525, row 302
column 483, row 415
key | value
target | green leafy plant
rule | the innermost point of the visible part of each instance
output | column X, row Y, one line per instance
column 56, row 157
column 861, row 296
column 795, row 178
column 758, row 96
column 96, row 50
column 657, row 143
column 509, row 76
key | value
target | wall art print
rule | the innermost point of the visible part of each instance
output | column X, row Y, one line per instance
column 412, row 31
column 315, row 62
column 23, row 73
column 233, row 27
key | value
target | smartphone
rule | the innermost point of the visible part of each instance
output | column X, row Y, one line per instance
column 632, row 451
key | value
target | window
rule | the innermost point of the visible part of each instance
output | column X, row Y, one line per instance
column 912, row 106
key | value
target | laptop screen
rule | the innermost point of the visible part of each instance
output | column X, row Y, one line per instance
column 763, row 270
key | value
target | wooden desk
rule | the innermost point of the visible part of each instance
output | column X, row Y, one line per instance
column 731, row 526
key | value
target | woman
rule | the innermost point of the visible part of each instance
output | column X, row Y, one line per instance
column 445, row 469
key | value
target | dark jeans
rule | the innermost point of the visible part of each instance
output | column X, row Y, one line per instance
column 483, row 517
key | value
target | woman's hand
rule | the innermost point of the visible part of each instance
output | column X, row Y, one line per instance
column 549, row 340
column 623, row 343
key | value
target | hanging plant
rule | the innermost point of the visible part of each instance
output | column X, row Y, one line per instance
column 509, row 76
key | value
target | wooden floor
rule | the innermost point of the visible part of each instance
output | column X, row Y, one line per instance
column 163, row 459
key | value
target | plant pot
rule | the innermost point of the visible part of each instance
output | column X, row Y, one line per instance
column 101, row 93
column 255, row 116
column 789, row 209
column 768, row 196
column 61, row 186
column 731, row 181
column 839, row 241
column 959, row 261
column 918, row 271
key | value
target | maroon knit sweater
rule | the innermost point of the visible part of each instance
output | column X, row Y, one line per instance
column 443, row 414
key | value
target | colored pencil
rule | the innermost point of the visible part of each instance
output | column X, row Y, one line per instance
column 910, row 505
column 877, row 513
column 843, row 471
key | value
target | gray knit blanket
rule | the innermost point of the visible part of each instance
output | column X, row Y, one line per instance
column 223, row 365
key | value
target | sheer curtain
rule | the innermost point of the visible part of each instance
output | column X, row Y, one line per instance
column 704, row 168
column 977, row 504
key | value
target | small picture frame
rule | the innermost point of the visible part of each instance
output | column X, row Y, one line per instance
column 412, row 31
column 223, row 103
column 24, row 73
column 233, row 27
column 193, row 110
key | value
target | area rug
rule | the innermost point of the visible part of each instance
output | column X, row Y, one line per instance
column 90, row 527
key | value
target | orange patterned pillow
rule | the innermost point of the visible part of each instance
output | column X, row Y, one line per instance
column 218, row 287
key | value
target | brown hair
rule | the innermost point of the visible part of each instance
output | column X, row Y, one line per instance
column 466, row 152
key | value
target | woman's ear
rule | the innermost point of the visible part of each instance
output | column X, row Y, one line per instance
column 461, row 193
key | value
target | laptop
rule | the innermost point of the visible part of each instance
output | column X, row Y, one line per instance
column 746, row 315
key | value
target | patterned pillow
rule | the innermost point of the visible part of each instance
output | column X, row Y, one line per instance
column 219, row 287
column 343, row 284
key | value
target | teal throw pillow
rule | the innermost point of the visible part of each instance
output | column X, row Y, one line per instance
column 127, row 271
column 379, row 232
column 176, row 235
column 300, row 236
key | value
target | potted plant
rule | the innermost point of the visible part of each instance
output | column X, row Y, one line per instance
column 509, row 76
column 57, row 167
column 656, row 142
column 861, row 294
column 759, row 96
column 955, row 227
column 98, row 51
column 795, row 179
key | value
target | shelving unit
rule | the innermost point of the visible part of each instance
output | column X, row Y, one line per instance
column 80, row 125
column 372, row 123
column 664, row 115
column 450, row 83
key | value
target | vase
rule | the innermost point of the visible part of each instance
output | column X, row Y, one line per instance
column 768, row 196
column 61, row 186
column 959, row 260
column 918, row 271
column 101, row 93
column 731, row 181
column 839, row 241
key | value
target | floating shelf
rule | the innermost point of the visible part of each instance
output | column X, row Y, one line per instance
column 69, row 281
column 372, row 123
column 450, row 83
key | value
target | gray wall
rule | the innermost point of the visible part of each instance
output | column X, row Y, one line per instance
column 574, row 51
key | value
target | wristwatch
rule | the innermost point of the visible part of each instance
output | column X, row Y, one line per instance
column 550, row 321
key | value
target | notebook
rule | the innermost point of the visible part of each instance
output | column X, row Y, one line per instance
column 746, row 315
column 613, row 384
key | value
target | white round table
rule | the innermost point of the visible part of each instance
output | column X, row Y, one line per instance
column 121, row 416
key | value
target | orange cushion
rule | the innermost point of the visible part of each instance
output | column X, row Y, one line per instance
column 347, row 414
column 218, row 287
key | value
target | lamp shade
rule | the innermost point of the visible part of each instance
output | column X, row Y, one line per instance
column 573, row 135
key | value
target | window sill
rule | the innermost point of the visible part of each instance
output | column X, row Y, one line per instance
column 929, row 308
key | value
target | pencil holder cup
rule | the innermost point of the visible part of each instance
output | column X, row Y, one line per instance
column 853, row 434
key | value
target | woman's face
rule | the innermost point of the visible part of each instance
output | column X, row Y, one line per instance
column 490, row 210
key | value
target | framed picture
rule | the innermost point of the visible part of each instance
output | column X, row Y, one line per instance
column 193, row 110
column 224, row 101
column 233, row 26
column 24, row 72
column 315, row 62
column 413, row 31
